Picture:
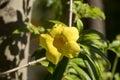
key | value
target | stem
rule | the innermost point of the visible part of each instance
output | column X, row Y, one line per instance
column 20, row 67
column 70, row 14
column 60, row 69
column 114, row 66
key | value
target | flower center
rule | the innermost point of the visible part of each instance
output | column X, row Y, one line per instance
column 59, row 42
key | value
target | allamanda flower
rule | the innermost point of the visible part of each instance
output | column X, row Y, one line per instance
column 59, row 42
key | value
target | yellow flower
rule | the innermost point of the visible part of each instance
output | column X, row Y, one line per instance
column 59, row 42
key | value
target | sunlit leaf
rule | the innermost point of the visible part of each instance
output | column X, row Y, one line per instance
column 20, row 30
column 84, row 10
column 70, row 70
column 16, row 32
column 49, row 2
column 78, row 61
column 79, row 25
column 71, row 77
column 115, row 47
column 94, row 38
column 100, row 44
column 57, row 22
column 91, row 35
column 117, row 76
column 118, row 37
column 44, row 63
column 34, row 30
column 106, row 75
column 80, row 72
column 99, row 13
column 51, row 68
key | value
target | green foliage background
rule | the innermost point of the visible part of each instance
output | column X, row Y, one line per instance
column 92, row 62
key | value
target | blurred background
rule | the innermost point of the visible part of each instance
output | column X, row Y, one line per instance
column 112, row 24
column 45, row 10
column 15, row 49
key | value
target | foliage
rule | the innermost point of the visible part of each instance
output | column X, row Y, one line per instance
column 86, row 65
column 84, row 10
column 91, row 63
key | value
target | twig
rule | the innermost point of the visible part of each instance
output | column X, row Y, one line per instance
column 70, row 14
column 20, row 67
column 114, row 67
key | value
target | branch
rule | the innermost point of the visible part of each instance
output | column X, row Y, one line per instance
column 70, row 14
column 20, row 67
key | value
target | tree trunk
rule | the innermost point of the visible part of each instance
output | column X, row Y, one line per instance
column 97, row 24
column 14, row 49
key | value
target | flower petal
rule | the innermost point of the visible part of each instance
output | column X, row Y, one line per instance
column 59, row 42
column 45, row 40
column 56, row 30
column 71, row 33
column 70, row 49
column 53, row 55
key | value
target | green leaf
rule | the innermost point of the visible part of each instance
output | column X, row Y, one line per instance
column 89, row 49
column 57, row 22
column 80, row 72
column 79, row 25
column 97, row 12
column 70, row 70
column 117, row 76
column 16, row 31
column 100, row 44
column 93, row 57
column 20, row 30
column 84, row 10
column 51, row 68
column 94, row 38
column 41, row 29
column 102, row 55
column 57, row 71
column 118, row 37
column 115, row 47
column 49, row 2
column 93, row 70
column 35, row 31
column 91, row 35
column 78, row 61
column 31, row 27
column 60, row 69
column 44, row 63
column 71, row 77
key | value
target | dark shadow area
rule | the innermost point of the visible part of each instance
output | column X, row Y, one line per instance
column 10, row 40
column 112, row 11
